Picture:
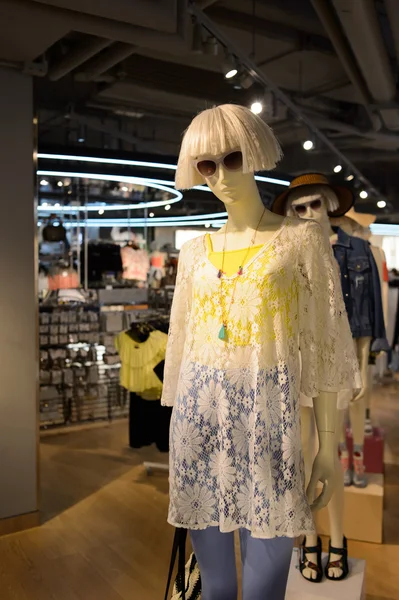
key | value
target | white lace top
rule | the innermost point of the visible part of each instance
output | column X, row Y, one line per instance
column 235, row 454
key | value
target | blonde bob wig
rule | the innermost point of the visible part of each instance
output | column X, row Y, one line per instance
column 327, row 193
column 217, row 130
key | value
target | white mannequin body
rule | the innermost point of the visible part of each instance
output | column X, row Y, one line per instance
column 239, row 192
column 336, row 504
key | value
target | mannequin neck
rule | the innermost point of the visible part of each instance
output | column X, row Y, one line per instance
column 245, row 212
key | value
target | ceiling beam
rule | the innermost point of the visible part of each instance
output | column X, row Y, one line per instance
column 77, row 56
column 270, row 29
column 106, row 60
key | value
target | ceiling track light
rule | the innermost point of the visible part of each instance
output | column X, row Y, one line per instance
column 229, row 67
column 197, row 45
column 246, row 81
column 211, row 46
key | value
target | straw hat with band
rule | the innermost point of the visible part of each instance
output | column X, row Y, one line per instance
column 363, row 219
column 344, row 195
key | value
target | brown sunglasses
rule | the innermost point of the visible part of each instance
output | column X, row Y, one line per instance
column 301, row 209
column 207, row 166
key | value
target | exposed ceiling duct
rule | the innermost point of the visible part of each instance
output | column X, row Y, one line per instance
column 360, row 23
column 393, row 15
column 332, row 26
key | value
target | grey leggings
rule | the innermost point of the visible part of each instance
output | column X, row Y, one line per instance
column 265, row 565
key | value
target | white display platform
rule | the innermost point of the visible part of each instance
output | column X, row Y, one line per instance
column 363, row 512
column 352, row 588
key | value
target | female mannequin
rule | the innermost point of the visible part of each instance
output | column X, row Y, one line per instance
column 232, row 366
column 315, row 199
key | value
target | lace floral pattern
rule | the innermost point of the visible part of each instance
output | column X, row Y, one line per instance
column 235, row 458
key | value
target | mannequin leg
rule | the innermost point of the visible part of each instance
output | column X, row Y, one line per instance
column 368, row 427
column 216, row 560
column 265, row 566
column 336, row 504
column 309, row 443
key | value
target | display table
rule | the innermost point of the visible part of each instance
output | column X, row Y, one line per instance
column 363, row 512
column 352, row 588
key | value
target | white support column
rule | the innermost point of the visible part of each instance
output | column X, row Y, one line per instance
column 18, row 307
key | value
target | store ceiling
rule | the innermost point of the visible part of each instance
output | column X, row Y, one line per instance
column 123, row 76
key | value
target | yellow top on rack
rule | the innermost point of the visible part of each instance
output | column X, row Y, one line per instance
column 138, row 363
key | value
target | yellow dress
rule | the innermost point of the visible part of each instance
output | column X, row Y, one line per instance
column 233, row 259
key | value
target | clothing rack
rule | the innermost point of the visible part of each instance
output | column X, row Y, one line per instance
column 151, row 316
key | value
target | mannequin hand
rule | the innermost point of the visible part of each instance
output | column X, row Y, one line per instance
column 361, row 394
column 324, row 470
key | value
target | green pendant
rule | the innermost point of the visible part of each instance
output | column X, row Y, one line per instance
column 223, row 333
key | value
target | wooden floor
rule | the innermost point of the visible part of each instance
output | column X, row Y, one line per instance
column 104, row 534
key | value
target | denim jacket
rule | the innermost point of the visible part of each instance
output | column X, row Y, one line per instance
column 361, row 289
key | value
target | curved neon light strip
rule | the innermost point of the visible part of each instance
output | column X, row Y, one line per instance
column 384, row 229
column 48, row 210
column 141, row 224
column 141, row 163
column 122, row 179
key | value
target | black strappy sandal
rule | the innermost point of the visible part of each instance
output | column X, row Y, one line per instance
column 341, row 563
column 304, row 563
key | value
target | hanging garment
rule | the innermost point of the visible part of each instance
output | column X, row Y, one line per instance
column 157, row 269
column 361, row 289
column 136, row 263
column 103, row 258
column 138, row 363
column 148, row 423
column 63, row 279
column 235, row 456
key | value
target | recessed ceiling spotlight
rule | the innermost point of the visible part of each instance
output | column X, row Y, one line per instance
column 207, row 225
column 381, row 204
column 152, row 215
column 337, row 168
column 257, row 108
column 308, row 145
column 57, row 205
column 350, row 177
column 363, row 194
column 167, row 207
column 43, row 182
column 60, row 183
column 101, row 211
column 124, row 188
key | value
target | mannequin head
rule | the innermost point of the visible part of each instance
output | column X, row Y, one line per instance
column 223, row 147
column 312, row 202
column 350, row 226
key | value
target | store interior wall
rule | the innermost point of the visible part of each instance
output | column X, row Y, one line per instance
column 18, row 304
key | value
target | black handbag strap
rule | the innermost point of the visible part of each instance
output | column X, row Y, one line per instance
column 179, row 545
